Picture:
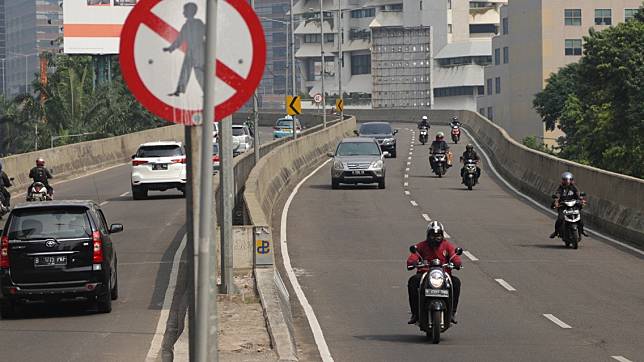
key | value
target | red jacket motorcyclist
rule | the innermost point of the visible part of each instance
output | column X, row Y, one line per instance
column 443, row 252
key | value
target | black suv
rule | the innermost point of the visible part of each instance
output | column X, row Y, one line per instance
column 382, row 132
column 57, row 250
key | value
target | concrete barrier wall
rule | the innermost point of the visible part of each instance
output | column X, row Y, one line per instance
column 81, row 157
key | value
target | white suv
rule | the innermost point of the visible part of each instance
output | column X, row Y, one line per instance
column 241, row 133
column 158, row 166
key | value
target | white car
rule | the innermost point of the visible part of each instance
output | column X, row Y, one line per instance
column 241, row 133
column 158, row 166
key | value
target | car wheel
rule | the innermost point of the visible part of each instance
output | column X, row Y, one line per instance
column 381, row 183
column 335, row 184
column 8, row 309
column 104, row 301
column 115, row 289
column 393, row 154
column 139, row 192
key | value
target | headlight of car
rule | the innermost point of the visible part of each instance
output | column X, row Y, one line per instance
column 377, row 164
column 338, row 165
column 436, row 279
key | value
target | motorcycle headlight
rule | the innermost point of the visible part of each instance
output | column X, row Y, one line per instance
column 338, row 165
column 436, row 279
column 377, row 164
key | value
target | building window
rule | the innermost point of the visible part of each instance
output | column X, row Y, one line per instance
column 490, row 113
column 603, row 17
column 482, row 111
column 315, row 38
column 489, row 87
column 363, row 13
column 572, row 17
column 449, row 28
column 454, row 91
column 629, row 14
column 573, row 47
column 483, row 28
column 506, row 55
column 361, row 64
column 497, row 83
column 506, row 26
column 497, row 56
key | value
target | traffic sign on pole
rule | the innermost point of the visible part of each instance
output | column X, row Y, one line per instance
column 293, row 105
column 339, row 105
column 162, row 46
column 317, row 98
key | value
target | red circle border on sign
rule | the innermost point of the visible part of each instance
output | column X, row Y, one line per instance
column 183, row 116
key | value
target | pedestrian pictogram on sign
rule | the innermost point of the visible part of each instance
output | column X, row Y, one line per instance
column 293, row 105
column 317, row 98
column 162, row 57
column 339, row 105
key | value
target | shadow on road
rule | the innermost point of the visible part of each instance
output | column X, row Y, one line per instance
column 345, row 187
column 395, row 338
column 41, row 310
column 544, row 246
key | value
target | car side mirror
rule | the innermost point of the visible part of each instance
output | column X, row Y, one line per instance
column 355, row 132
column 459, row 251
column 330, row 154
column 116, row 228
column 554, row 196
column 395, row 131
column 133, row 156
column 413, row 249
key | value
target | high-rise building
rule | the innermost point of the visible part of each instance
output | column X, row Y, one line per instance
column 31, row 27
column 537, row 38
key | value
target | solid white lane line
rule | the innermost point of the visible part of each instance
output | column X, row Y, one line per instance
column 538, row 204
column 557, row 321
column 407, row 193
column 124, row 194
column 470, row 256
column 413, row 203
column 157, row 342
column 505, row 285
column 427, row 218
column 323, row 348
column 621, row 358
column 103, row 203
column 406, row 184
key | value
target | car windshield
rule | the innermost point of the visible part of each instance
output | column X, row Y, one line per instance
column 159, row 151
column 358, row 149
column 285, row 123
column 238, row 131
column 375, row 128
column 63, row 223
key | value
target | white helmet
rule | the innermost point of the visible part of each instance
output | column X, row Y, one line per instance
column 424, row 118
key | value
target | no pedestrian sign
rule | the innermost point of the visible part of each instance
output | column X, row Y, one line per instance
column 162, row 57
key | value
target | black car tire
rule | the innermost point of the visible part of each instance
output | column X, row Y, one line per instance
column 335, row 184
column 104, row 301
column 8, row 309
column 393, row 153
column 381, row 183
column 114, row 293
column 139, row 192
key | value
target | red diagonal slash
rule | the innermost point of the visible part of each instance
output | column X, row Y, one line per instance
column 170, row 34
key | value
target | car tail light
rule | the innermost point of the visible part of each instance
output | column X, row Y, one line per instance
column 138, row 162
column 97, row 256
column 179, row 160
column 276, row 128
column 4, row 252
column 215, row 158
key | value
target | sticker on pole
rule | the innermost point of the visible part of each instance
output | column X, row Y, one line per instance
column 162, row 57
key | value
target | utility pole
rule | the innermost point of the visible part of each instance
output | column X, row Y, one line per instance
column 256, row 115
column 293, row 88
column 206, row 348
column 340, row 57
column 323, row 64
column 227, row 192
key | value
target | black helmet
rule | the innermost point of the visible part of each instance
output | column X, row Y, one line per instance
column 435, row 234
column 469, row 147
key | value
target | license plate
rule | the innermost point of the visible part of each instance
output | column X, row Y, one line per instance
column 160, row 166
column 358, row 172
column 440, row 293
column 42, row 261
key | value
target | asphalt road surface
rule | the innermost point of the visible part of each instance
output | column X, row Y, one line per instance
column 349, row 246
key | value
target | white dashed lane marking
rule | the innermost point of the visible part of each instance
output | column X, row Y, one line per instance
column 413, row 203
column 427, row 218
column 505, row 285
column 621, row 358
column 557, row 321
column 470, row 256
column 406, row 184
column 407, row 193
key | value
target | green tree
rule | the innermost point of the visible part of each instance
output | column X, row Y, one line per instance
column 550, row 103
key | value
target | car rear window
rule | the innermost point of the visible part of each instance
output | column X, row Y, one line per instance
column 286, row 123
column 215, row 149
column 159, row 151
column 358, row 149
column 238, row 131
column 377, row 128
column 63, row 223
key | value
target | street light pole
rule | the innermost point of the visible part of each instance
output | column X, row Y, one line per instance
column 293, row 88
column 323, row 64
column 340, row 57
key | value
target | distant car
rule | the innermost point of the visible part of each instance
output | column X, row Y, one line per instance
column 242, row 134
column 382, row 132
column 215, row 156
column 284, row 128
column 57, row 250
column 358, row 160
column 158, row 166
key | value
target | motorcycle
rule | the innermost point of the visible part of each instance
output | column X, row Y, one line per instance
column 4, row 207
column 435, row 296
column 469, row 175
column 423, row 135
column 456, row 134
column 570, row 231
column 439, row 164
column 38, row 192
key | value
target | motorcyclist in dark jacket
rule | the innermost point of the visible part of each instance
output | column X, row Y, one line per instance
column 424, row 123
column 455, row 122
column 5, row 182
column 566, row 191
column 470, row 154
column 42, row 175
column 439, row 145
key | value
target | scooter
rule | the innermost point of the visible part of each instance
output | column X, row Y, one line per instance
column 570, row 229
column 435, row 296
column 456, row 134
column 423, row 135
column 38, row 192
column 439, row 163
column 469, row 174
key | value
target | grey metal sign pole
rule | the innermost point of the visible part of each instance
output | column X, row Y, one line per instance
column 340, row 57
column 323, row 64
column 207, row 273
column 227, row 199
column 292, row 23
column 256, row 115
